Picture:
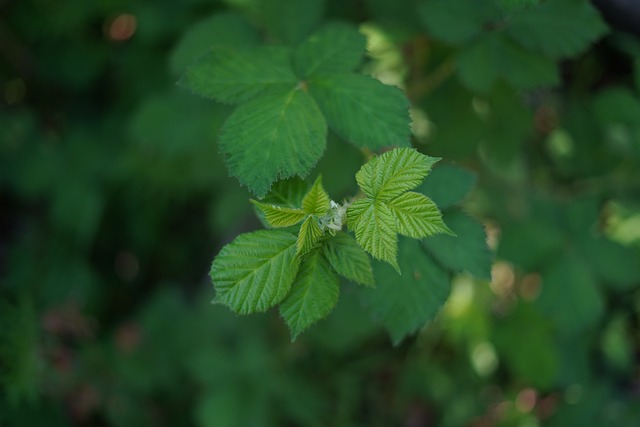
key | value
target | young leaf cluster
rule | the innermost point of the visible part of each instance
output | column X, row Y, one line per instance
column 288, row 97
column 296, row 263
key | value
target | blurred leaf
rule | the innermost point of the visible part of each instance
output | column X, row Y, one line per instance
column 494, row 58
column 569, row 281
column 290, row 21
column 222, row 29
column 530, row 244
column 255, row 271
column 467, row 251
column 531, row 356
column 404, row 303
column 336, row 48
column 313, row 294
column 457, row 21
column 271, row 137
column 362, row 110
column 447, row 185
column 617, row 265
column 559, row 28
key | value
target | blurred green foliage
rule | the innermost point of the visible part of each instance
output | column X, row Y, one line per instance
column 114, row 199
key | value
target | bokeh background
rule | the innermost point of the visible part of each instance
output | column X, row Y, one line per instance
column 114, row 200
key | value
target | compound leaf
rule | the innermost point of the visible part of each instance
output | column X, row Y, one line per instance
column 237, row 75
column 308, row 236
column 374, row 225
column 559, row 28
column 403, row 304
column 417, row 216
column 362, row 110
column 394, row 172
column 316, row 201
column 255, row 271
column 280, row 216
column 313, row 294
column 348, row 259
column 336, row 48
column 273, row 136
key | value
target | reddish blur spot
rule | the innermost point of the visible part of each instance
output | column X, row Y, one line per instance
column 122, row 27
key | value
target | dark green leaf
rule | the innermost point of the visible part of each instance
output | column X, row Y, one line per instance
column 313, row 294
column 363, row 111
column 235, row 75
column 466, row 252
column 271, row 137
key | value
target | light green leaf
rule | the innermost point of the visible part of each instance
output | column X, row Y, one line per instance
column 308, row 236
column 447, row 185
column 255, row 271
column 363, row 111
column 457, row 21
column 558, row 28
column 394, row 172
column 237, row 75
column 336, row 48
column 222, row 29
column 403, row 304
column 280, row 216
column 417, row 216
column 375, row 228
column 273, row 136
column 313, row 295
column 481, row 65
column 348, row 259
column 466, row 252
column 316, row 201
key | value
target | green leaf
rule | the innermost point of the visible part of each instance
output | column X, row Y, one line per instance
column 336, row 48
column 308, row 236
column 222, row 29
column 375, row 228
column 280, row 216
column 484, row 63
column 237, row 75
column 417, row 216
column 403, row 304
column 273, row 136
column 559, row 28
column 457, row 21
column 348, row 259
column 313, row 295
column 466, row 252
column 287, row 192
column 387, row 176
column 447, row 185
column 363, row 111
column 255, row 271
column 316, row 201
